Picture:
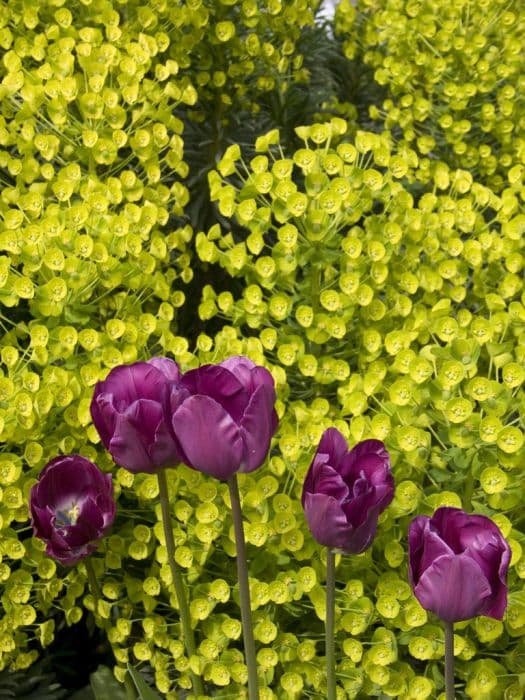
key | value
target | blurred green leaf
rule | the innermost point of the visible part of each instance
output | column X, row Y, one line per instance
column 145, row 692
column 105, row 686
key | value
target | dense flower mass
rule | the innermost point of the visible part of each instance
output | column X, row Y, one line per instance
column 224, row 416
column 458, row 565
column 72, row 507
column 130, row 410
column 345, row 492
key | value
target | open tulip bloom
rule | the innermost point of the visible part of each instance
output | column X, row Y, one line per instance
column 72, row 507
column 458, row 567
column 344, row 493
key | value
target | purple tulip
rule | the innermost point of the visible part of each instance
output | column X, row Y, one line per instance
column 224, row 416
column 72, row 507
column 131, row 412
column 345, row 491
column 458, row 565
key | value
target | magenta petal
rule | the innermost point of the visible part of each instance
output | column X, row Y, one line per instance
column 364, row 533
column 416, row 539
column 209, row 437
column 103, row 416
column 41, row 519
column 169, row 368
column 332, row 448
column 64, row 478
column 326, row 520
column 127, row 383
column 433, row 547
column 242, row 368
column 221, row 385
column 257, row 427
column 454, row 588
column 142, row 440
column 368, row 457
column 328, row 482
column 333, row 444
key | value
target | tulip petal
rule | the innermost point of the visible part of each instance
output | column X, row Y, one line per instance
column 326, row 520
column 333, row 444
column 219, row 384
column 332, row 448
column 142, row 440
column 363, row 534
column 209, row 437
column 453, row 587
column 169, row 368
column 41, row 519
column 329, row 483
column 241, row 367
column 64, row 479
column 433, row 548
column 103, row 415
column 416, row 535
column 257, row 427
column 368, row 457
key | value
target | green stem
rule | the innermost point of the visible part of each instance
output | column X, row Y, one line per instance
column 92, row 580
column 329, row 625
column 468, row 490
column 449, row 660
column 244, row 590
column 315, row 287
column 184, row 610
column 97, row 595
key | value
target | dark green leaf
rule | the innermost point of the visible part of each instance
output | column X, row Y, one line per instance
column 105, row 686
column 145, row 692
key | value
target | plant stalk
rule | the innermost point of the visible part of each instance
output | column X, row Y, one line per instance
column 244, row 590
column 92, row 580
column 330, row 625
column 449, row 660
column 184, row 610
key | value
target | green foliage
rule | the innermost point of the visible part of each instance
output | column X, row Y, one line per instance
column 201, row 179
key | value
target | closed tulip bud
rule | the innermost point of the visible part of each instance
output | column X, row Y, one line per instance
column 223, row 417
column 131, row 412
column 345, row 491
column 458, row 565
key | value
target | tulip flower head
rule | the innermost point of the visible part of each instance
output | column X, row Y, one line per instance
column 223, row 417
column 458, row 565
column 72, row 507
column 345, row 491
column 131, row 412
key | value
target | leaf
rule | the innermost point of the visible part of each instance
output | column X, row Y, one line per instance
column 105, row 686
column 145, row 692
column 83, row 694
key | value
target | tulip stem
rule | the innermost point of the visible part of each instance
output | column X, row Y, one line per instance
column 330, row 625
column 184, row 610
column 449, row 660
column 244, row 590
